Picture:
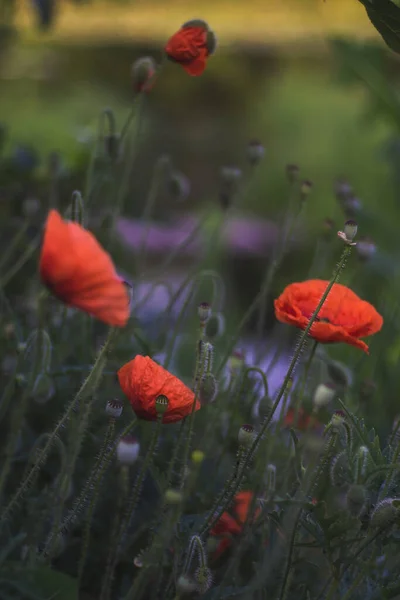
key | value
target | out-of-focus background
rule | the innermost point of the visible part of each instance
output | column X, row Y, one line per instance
column 311, row 79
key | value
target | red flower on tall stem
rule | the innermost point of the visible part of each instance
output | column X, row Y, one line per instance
column 142, row 380
column 344, row 317
column 191, row 46
column 80, row 273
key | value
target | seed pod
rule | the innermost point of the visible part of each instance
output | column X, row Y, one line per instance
column 246, row 436
column 161, row 405
column 350, row 229
column 323, row 395
column 128, row 450
column 204, row 312
column 114, row 408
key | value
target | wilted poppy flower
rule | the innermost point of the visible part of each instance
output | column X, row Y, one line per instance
column 191, row 46
column 142, row 380
column 344, row 317
column 79, row 272
column 230, row 525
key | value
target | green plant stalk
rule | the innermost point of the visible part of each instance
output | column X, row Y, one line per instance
column 25, row 256
column 93, row 501
column 299, row 400
column 13, row 244
column 88, row 387
column 345, row 254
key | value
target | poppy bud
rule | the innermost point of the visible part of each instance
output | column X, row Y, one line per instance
column 385, row 513
column 338, row 418
column 143, row 70
column 215, row 326
column 39, row 342
column 204, row 312
column 229, row 184
column 305, row 189
column 43, row 389
column 128, row 450
column 185, row 585
column 173, row 496
column 355, row 500
column 179, row 186
column 112, row 146
column 208, row 388
column 197, row 457
column 161, row 404
column 65, row 487
column 362, row 459
column 339, row 469
column 114, row 408
column 236, row 361
column 203, row 578
column 265, row 407
column 366, row 248
column 292, row 172
column 323, row 395
column 255, row 152
column 350, row 229
column 246, row 436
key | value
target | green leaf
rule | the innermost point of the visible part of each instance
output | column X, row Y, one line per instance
column 385, row 16
column 51, row 583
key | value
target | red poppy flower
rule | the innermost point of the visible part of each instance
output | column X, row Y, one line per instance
column 142, row 380
column 344, row 317
column 79, row 272
column 191, row 46
column 304, row 421
column 230, row 525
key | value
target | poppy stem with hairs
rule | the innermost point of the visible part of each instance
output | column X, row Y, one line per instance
column 88, row 387
column 336, row 274
column 299, row 400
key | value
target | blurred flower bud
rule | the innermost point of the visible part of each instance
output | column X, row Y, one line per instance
column 30, row 207
column 365, row 248
column 362, row 459
column 185, row 585
column 350, row 229
column 203, row 578
column 143, row 71
column 215, row 326
column 356, row 498
column 292, row 172
column 39, row 342
column 236, row 361
column 173, row 496
column 367, row 390
column 114, row 408
column 207, row 360
column 265, row 407
column 128, row 450
column 211, row 42
column 339, row 469
column 43, row 389
column 204, row 312
column 324, row 394
column 255, row 152
column 351, row 206
column 112, row 146
column 229, row 185
column 246, row 436
column 327, row 227
column 342, row 189
column 65, row 487
column 208, row 388
column 197, row 457
column 271, row 477
column 161, row 405
column 305, row 189
column 385, row 513
column 179, row 186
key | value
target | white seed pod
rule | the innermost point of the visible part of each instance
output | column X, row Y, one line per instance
column 247, row 435
column 323, row 395
column 128, row 449
column 114, row 408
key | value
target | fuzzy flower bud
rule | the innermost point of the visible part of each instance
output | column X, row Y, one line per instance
column 204, row 312
column 128, row 450
column 114, row 408
column 229, row 183
column 215, row 326
column 236, row 361
column 185, row 585
column 366, row 248
column 208, row 388
column 161, row 405
column 356, row 498
column 43, row 389
column 143, row 70
column 173, row 496
column 203, row 578
column 349, row 232
column 246, row 435
column 265, row 407
column 385, row 513
column 255, row 152
column 323, row 395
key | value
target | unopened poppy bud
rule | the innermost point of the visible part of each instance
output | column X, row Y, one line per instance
column 229, row 183
column 203, row 578
column 204, row 312
column 265, row 407
column 362, row 459
column 128, row 450
column 365, row 248
column 385, row 513
column 43, row 389
column 305, row 189
column 337, row 419
column 179, row 186
column 173, row 496
column 355, row 499
column 323, row 395
column 215, row 326
column 208, row 388
column 185, row 585
column 114, row 408
column 255, row 152
column 292, row 172
column 161, row 404
column 247, row 435
column 197, row 457
column 143, row 71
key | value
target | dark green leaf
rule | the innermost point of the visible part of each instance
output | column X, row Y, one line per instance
column 385, row 16
column 51, row 583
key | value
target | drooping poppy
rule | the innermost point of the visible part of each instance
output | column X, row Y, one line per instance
column 142, row 380
column 344, row 317
column 80, row 273
column 191, row 45
column 230, row 525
